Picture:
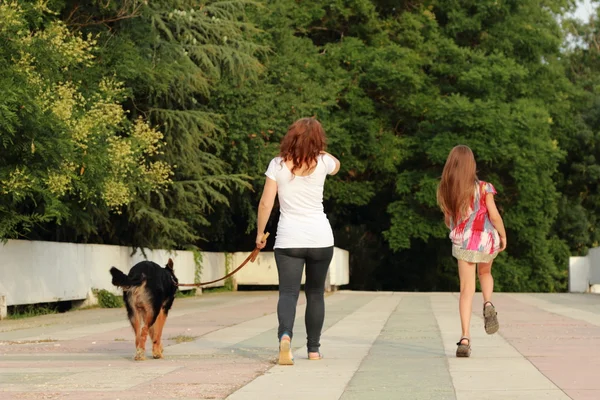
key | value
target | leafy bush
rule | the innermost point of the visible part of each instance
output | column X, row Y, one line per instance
column 108, row 300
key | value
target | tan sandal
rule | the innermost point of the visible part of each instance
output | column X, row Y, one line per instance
column 285, row 351
column 318, row 355
column 463, row 350
column 490, row 318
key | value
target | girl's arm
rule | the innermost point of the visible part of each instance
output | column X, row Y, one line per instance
column 496, row 219
column 264, row 210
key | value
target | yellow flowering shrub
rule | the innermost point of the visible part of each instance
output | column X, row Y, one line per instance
column 17, row 183
column 100, row 156
column 59, row 181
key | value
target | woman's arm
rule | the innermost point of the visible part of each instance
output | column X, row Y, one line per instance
column 496, row 219
column 265, row 206
column 337, row 163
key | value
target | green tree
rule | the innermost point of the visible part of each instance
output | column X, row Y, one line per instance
column 169, row 54
column 578, row 175
column 68, row 147
column 397, row 86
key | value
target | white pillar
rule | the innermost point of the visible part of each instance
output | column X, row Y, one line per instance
column 3, row 307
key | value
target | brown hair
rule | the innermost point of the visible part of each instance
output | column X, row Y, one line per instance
column 302, row 144
column 456, row 189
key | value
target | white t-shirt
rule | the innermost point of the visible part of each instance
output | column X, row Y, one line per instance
column 302, row 222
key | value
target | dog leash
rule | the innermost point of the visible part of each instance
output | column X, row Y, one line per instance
column 251, row 258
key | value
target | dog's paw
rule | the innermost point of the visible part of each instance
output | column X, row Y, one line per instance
column 140, row 355
column 157, row 351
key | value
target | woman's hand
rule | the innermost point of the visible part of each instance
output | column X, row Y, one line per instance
column 502, row 243
column 259, row 241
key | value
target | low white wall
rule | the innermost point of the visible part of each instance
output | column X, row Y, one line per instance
column 35, row 272
column 264, row 270
column 213, row 267
column 99, row 259
column 41, row 272
column 339, row 269
column 579, row 274
column 584, row 272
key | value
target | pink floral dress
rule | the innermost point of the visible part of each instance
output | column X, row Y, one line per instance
column 475, row 239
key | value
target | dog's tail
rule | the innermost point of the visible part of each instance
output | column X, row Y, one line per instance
column 119, row 278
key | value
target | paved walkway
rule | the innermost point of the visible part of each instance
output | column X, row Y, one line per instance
column 376, row 346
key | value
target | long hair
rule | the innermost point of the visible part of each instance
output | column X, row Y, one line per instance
column 457, row 187
column 302, row 144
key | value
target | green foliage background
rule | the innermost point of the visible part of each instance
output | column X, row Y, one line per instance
column 396, row 86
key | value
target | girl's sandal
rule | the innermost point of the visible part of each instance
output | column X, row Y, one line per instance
column 463, row 350
column 316, row 355
column 490, row 318
column 285, row 351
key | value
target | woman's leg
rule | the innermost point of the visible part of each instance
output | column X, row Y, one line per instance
column 317, row 264
column 466, row 273
column 290, row 263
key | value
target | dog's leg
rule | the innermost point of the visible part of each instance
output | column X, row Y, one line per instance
column 136, row 323
column 134, row 319
column 156, row 331
column 143, row 337
column 143, row 318
column 140, row 339
column 147, row 320
column 152, row 336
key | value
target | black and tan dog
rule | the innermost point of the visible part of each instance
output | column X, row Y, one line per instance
column 148, row 292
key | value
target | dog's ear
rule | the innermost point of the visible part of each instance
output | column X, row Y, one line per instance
column 170, row 264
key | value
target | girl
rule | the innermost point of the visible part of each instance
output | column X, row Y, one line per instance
column 477, row 234
column 304, row 236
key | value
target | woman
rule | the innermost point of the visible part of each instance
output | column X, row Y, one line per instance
column 304, row 235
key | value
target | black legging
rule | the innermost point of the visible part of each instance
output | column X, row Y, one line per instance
column 290, row 263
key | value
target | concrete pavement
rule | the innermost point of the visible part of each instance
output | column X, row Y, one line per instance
column 376, row 346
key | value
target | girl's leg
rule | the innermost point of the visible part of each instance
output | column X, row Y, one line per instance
column 466, row 273
column 486, row 280
column 317, row 264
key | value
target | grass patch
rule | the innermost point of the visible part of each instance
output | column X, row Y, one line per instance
column 119, row 340
column 92, row 307
column 187, row 293
column 32, row 310
column 221, row 289
column 108, row 300
column 183, row 339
